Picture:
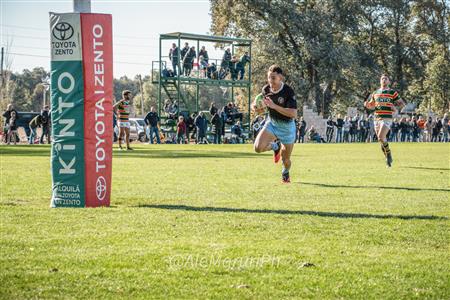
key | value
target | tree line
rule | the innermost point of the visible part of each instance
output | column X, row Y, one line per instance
column 334, row 51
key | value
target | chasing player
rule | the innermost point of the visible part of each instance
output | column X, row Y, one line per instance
column 383, row 101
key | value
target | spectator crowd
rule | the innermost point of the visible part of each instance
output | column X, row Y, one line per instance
column 361, row 128
column 224, row 125
column 231, row 66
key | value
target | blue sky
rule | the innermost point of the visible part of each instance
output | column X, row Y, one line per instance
column 24, row 29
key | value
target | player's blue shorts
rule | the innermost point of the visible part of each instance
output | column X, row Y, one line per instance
column 284, row 131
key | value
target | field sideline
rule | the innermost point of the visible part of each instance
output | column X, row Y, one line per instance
column 214, row 221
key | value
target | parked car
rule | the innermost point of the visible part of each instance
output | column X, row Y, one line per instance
column 24, row 118
column 137, row 130
column 137, row 126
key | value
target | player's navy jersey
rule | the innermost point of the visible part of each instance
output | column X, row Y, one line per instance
column 284, row 98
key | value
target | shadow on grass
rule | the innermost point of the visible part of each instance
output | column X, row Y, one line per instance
column 196, row 153
column 288, row 212
column 25, row 150
column 44, row 151
column 373, row 187
column 428, row 168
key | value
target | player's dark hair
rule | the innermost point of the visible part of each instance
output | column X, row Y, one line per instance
column 126, row 92
column 276, row 69
column 386, row 75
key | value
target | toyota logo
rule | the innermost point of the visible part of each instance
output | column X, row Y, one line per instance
column 63, row 31
column 100, row 188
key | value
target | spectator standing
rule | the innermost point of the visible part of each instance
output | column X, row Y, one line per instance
column 301, row 130
column 339, row 126
column 188, row 61
column 12, row 128
column 203, row 66
column 429, row 125
column 174, row 56
column 204, row 53
column 181, row 130
column 362, row 129
column 403, row 128
column 213, row 109
column 7, row 117
column 437, row 130
column 354, row 128
column 233, row 70
column 45, row 115
column 240, row 66
column 415, row 129
column 190, row 126
column 152, row 121
column 183, row 53
column 330, row 129
column 393, row 137
column 225, row 65
column 200, row 125
column 346, row 127
column 445, row 128
column 371, row 131
column 217, row 123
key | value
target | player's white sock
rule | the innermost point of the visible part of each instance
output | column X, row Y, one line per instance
column 275, row 146
column 284, row 171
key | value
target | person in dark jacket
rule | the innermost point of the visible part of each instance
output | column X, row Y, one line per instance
column 436, row 130
column 7, row 113
column 174, row 56
column 46, row 121
column 339, row 131
column 190, row 126
column 213, row 109
column 183, row 53
column 354, row 128
column 393, row 137
column 12, row 128
column 217, row 123
column 188, row 61
column 200, row 125
column 151, row 120
column 211, row 71
column 415, row 129
column 236, row 132
column 362, row 132
column 6, row 118
column 301, row 130
column 240, row 66
column 314, row 136
column 204, row 53
column 403, row 128
column 445, row 128
column 233, row 63
column 330, row 129
column 225, row 65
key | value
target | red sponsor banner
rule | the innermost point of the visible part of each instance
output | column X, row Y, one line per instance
column 98, row 94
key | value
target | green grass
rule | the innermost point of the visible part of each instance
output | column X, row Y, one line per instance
column 215, row 222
